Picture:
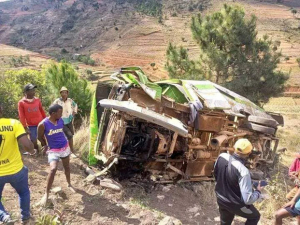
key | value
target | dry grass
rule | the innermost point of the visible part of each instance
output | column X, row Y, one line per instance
column 81, row 139
column 280, row 184
column 206, row 190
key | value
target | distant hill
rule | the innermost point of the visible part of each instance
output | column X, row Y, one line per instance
column 133, row 32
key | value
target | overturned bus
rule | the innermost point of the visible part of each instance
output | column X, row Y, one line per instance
column 175, row 129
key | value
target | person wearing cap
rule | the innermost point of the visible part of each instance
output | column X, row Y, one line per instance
column 69, row 110
column 234, row 189
column 31, row 112
column 12, row 169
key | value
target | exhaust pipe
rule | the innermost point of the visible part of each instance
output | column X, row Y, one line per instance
column 217, row 141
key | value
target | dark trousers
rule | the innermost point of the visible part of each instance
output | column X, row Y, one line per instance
column 19, row 182
column 249, row 212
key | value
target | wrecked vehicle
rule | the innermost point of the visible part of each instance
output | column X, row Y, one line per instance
column 175, row 129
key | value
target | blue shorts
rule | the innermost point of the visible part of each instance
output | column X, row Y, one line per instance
column 293, row 211
column 33, row 133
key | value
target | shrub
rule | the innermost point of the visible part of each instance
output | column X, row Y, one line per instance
column 298, row 61
column 11, row 89
column 149, row 7
column 294, row 11
column 86, row 60
column 160, row 19
column 81, row 139
column 89, row 72
column 27, row 59
column 48, row 220
column 63, row 74
column 91, row 62
column 64, row 51
column 19, row 61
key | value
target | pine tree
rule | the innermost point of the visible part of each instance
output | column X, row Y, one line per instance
column 63, row 74
column 180, row 66
column 233, row 56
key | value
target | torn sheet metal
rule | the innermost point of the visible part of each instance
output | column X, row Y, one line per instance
column 211, row 97
column 133, row 109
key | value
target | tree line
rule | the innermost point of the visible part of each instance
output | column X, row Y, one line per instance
column 49, row 81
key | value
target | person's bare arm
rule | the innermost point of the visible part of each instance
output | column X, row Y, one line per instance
column 26, row 144
column 41, row 133
column 293, row 201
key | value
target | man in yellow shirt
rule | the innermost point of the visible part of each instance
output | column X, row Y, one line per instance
column 12, row 169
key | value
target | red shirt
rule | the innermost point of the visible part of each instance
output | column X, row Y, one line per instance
column 30, row 113
column 295, row 167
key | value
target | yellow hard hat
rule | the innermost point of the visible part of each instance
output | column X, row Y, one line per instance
column 64, row 89
column 243, row 146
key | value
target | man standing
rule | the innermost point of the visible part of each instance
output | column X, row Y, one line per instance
column 31, row 112
column 12, row 170
column 234, row 191
column 69, row 110
column 54, row 141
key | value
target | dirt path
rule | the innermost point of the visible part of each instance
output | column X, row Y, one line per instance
column 138, row 203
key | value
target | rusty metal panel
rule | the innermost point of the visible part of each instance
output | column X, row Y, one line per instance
column 144, row 100
column 199, row 168
column 210, row 123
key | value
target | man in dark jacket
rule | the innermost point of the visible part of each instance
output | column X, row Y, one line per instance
column 235, row 194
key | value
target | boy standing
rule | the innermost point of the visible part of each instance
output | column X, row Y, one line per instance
column 54, row 141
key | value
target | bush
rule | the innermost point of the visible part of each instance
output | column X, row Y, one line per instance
column 11, row 89
column 298, row 61
column 63, row 74
column 294, row 11
column 86, row 60
column 89, row 72
column 149, row 7
column 64, row 51
column 27, row 59
column 48, row 220
column 19, row 61
column 160, row 19
column 191, row 8
column 91, row 62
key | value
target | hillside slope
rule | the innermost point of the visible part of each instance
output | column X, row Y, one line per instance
column 117, row 34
